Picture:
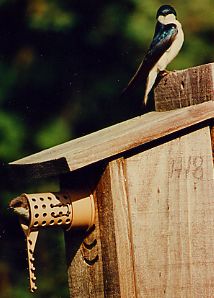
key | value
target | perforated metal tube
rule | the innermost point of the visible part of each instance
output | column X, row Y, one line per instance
column 53, row 209
column 57, row 209
column 49, row 209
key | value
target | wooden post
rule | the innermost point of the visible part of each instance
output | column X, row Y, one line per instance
column 183, row 88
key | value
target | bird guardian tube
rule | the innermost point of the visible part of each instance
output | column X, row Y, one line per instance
column 43, row 210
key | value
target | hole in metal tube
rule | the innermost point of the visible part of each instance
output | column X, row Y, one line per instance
column 59, row 222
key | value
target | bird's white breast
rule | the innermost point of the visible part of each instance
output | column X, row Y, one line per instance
column 168, row 56
column 172, row 52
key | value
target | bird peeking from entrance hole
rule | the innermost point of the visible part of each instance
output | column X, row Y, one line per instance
column 167, row 42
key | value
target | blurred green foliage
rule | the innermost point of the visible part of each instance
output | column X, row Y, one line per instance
column 63, row 65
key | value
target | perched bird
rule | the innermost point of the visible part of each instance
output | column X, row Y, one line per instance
column 167, row 42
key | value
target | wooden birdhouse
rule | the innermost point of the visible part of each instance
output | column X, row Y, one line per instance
column 146, row 225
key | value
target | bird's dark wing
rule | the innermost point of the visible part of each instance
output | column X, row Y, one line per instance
column 163, row 38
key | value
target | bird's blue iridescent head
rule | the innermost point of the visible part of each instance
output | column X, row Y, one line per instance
column 165, row 10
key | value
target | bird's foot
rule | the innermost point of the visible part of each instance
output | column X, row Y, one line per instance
column 163, row 73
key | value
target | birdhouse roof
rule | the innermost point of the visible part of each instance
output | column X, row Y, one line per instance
column 112, row 141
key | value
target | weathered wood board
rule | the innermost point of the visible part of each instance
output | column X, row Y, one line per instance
column 171, row 200
column 122, row 229
column 155, row 225
column 110, row 141
column 184, row 88
column 99, row 268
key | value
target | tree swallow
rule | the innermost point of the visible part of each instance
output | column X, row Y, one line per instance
column 167, row 42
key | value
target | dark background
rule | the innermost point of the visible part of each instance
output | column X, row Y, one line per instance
column 63, row 65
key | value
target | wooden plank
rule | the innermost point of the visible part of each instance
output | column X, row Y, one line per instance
column 171, row 199
column 110, row 141
column 212, row 138
column 111, row 274
column 115, row 233
column 122, row 229
column 107, row 236
column 185, row 87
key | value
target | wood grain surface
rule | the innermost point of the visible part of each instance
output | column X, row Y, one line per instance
column 185, row 88
column 170, row 191
column 110, row 141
